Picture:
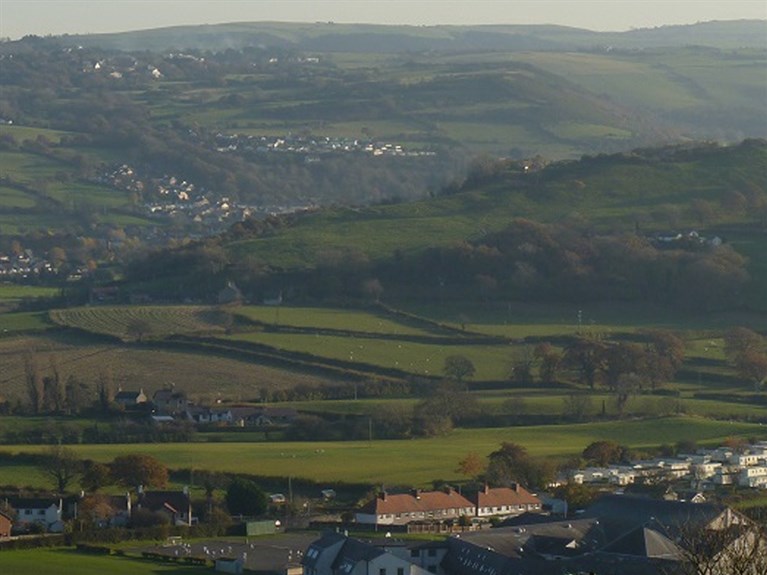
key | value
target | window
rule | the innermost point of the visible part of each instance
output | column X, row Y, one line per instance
column 432, row 552
column 382, row 571
column 27, row 512
column 432, row 568
column 414, row 552
column 400, row 571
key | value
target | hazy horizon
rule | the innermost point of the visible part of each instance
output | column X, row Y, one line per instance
column 55, row 17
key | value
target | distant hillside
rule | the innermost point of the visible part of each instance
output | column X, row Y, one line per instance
column 607, row 205
column 331, row 37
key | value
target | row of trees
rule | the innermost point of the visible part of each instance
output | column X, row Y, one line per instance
column 62, row 466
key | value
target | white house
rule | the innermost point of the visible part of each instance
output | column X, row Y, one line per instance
column 45, row 512
column 754, row 476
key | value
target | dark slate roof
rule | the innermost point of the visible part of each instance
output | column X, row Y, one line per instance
column 315, row 550
column 644, row 542
column 177, row 501
column 33, row 502
column 621, row 513
column 354, row 551
column 348, row 556
column 528, row 518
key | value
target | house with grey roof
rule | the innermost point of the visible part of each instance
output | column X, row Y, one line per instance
column 338, row 554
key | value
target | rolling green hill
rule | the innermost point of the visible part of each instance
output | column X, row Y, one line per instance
column 378, row 38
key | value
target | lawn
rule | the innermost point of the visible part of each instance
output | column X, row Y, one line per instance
column 417, row 461
column 69, row 562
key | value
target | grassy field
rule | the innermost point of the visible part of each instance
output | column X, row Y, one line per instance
column 204, row 377
column 155, row 320
column 328, row 318
column 69, row 562
column 418, row 461
column 491, row 362
column 11, row 323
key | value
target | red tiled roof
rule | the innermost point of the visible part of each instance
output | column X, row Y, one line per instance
column 500, row 496
column 425, row 501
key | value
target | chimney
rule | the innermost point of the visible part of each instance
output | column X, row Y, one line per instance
column 486, row 489
column 382, row 496
column 515, row 487
column 417, row 493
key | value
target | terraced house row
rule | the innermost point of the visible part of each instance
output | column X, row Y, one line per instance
column 404, row 508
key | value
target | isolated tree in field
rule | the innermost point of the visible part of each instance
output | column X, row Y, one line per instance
column 458, row 367
column 665, row 353
column 550, row 360
column 587, row 357
column 472, row 465
column 61, row 465
column 138, row 328
column 622, row 359
column 136, row 469
column 243, row 497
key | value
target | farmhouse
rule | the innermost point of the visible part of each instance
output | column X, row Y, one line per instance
column 400, row 509
column 128, row 399
column 169, row 401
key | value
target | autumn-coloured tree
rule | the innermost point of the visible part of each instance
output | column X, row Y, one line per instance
column 136, row 469
column 472, row 465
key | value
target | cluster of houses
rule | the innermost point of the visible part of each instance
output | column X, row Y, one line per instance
column 617, row 535
column 685, row 240
column 170, row 405
column 20, row 515
column 310, row 146
column 705, row 469
column 173, row 197
column 24, row 265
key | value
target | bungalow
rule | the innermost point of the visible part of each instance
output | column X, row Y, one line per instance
column 400, row 509
column 42, row 511
column 6, row 523
column 504, row 501
column 176, row 505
